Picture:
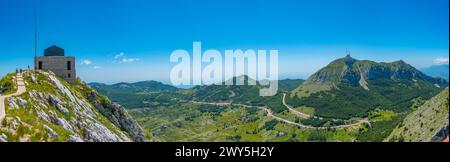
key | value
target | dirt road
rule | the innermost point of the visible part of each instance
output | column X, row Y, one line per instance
column 20, row 90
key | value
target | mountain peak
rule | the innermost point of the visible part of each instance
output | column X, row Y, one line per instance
column 401, row 63
column 247, row 79
column 348, row 70
column 437, row 71
column 347, row 58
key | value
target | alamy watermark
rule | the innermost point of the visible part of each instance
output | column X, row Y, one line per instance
column 259, row 65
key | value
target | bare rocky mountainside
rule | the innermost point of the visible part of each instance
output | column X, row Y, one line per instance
column 53, row 110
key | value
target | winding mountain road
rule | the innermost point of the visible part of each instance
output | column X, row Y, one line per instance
column 300, row 114
column 293, row 111
column 20, row 90
column 306, row 116
column 270, row 114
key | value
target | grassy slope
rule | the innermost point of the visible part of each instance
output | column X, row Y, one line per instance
column 30, row 127
column 135, row 95
column 349, row 101
column 8, row 85
column 423, row 123
column 336, row 91
column 190, row 122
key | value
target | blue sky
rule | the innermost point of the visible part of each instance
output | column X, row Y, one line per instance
column 308, row 34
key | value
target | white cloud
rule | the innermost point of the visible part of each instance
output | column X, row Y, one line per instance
column 97, row 67
column 120, row 55
column 129, row 60
column 122, row 58
column 440, row 61
column 86, row 62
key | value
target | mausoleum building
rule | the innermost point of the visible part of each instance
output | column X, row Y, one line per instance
column 54, row 60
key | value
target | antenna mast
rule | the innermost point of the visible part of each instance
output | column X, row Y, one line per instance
column 35, row 34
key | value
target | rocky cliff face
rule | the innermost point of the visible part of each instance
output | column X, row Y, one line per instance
column 53, row 110
column 117, row 115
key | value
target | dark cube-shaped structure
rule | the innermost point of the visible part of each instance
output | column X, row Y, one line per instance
column 54, row 51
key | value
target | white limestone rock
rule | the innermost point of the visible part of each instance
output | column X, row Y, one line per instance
column 12, row 103
column 51, row 132
column 3, row 138
column 22, row 102
column 98, row 133
column 60, row 121
column 75, row 138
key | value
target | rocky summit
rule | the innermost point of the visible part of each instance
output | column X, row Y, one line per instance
column 53, row 110
column 355, row 72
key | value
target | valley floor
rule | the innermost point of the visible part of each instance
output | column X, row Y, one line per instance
column 225, row 121
column 291, row 110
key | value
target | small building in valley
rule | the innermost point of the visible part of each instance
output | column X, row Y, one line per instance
column 55, row 60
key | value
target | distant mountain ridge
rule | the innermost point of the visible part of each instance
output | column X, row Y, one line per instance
column 355, row 72
column 437, row 71
column 142, row 86
column 133, row 95
column 355, row 87
column 153, row 93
